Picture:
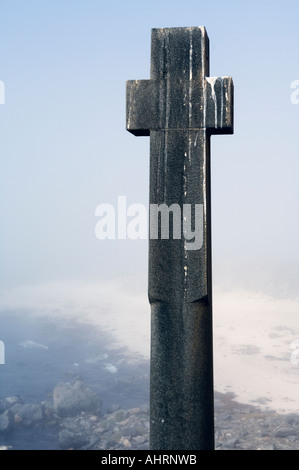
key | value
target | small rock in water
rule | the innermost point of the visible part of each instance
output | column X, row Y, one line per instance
column 285, row 432
column 72, row 440
column 28, row 413
column 125, row 442
column 113, row 408
column 6, row 422
column 71, row 399
column 8, row 402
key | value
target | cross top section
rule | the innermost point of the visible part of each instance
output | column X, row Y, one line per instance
column 180, row 94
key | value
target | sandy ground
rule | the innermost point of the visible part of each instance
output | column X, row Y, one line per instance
column 256, row 338
column 256, row 349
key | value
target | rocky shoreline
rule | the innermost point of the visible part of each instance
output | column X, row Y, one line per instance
column 74, row 420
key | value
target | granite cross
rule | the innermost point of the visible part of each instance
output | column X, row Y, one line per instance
column 179, row 108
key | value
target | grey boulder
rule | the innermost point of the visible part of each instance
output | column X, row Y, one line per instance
column 72, row 399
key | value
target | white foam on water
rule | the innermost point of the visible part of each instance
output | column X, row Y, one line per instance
column 32, row 345
column 111, row 368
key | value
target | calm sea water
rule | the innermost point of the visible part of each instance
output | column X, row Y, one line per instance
column 41, row 352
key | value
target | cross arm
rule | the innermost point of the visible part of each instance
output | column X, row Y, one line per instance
column 219, row 93
column 142, row 114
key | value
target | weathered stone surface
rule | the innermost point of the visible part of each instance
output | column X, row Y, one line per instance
column 6, row 422
column 286, row 431
column 71, row 399
column 28, row 413
column 113, row 408
column 180, row 107
column 180, row 93
column 72, row 440
column 8, row 402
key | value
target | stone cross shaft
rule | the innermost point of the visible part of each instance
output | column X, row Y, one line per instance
column 179, row 108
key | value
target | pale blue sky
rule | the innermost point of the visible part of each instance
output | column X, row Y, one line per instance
column 64, row 148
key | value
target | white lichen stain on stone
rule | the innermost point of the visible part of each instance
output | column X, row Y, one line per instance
column 212, row 82
column 227, row 103
column 165, row 165
column 190, row 77
column 131, row 104
column 204, row 88
column 185, row 257
column 184, row 174
column 224, row 99
column 222, row 103
column 190, row 90
column 167, row 93
column 185, row 179
column 185, row 99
